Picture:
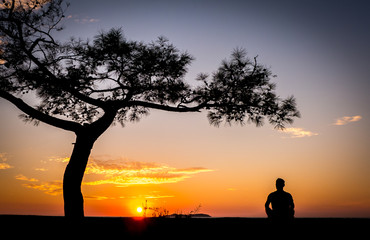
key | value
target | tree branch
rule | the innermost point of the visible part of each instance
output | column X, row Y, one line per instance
column 65, row 87
column 165, row 107
column 46, row 71
column 56, row 122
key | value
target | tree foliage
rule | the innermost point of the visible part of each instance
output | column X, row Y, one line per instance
column 78, row 81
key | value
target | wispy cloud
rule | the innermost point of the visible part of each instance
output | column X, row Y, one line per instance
column 119, row 173
column 3, row 159
column 156, row 196
column 98, row 197
column 140, row 196
column 24, row 178
column 51, row 188
column 58, row 159
column 123, row 173
column 148, row 196
column 5, row 166
column 82, row 20
column 347, row 119
column 299, row 132
column 41, row 169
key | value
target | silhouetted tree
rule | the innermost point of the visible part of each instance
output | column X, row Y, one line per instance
column 85, row 87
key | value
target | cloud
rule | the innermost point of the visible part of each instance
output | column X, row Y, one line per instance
column 155, row 196
column 299, row 132
column 145, row 196
column 51, row 188
column 98, row 197
column 3, row 159
column 119, row 173
column 345, row 120
column 59, row 159
column 5, row 166
column 123, row 173
column 41, row 169
column 24, row 178
column 83, row 20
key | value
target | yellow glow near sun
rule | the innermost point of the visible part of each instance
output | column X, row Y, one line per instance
column 139, row 209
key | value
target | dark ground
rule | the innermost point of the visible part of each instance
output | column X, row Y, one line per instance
column 46, row 227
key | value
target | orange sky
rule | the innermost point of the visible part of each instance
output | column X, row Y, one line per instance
column 178, row 161
column 228, row 170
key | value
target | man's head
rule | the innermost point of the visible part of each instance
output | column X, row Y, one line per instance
column 280, row 183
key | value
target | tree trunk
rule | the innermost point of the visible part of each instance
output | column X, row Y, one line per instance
column 73, row 175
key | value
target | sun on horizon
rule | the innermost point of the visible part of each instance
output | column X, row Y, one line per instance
column 139, row 209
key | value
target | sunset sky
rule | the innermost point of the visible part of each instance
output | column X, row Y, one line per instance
column 319, row 51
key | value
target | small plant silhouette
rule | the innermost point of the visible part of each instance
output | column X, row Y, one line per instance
column 156, row 211
column 163, row 212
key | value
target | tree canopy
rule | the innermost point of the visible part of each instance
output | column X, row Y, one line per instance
column 79, row 80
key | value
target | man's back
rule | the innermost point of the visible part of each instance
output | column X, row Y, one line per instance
column 281, row 202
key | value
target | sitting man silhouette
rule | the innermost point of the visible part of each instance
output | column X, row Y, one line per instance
column 281, row 202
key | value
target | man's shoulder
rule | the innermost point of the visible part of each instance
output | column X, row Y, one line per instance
column 272, row 194
column 288, row 194
column 279, row 193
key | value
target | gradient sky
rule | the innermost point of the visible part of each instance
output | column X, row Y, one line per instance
column 319, row 51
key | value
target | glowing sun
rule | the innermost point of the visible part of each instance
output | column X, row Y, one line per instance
column 139, row 209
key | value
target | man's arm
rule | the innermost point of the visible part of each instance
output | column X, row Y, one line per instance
column 292, row 212
column 267, row 206
column 291, row 202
